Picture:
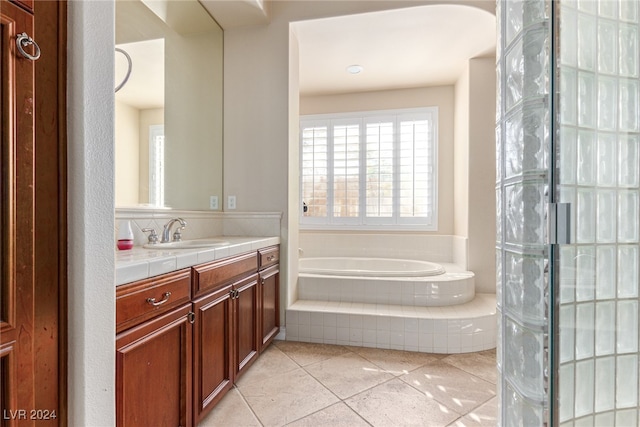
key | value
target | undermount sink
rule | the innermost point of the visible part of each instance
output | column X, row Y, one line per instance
column 188, row 244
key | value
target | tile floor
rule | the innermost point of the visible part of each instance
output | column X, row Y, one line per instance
column 304, row 384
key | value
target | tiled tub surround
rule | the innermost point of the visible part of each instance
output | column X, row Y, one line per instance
column 453, row 287
column 393, row 313
column 139, row 263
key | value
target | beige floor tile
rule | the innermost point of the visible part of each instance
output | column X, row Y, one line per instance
column 338, row 415
column 307, row 353
column 396, row 362
column 271, row 362
column 484, row 416
column 478, row 364
column 490, row 353
column 396, row 403
column 451, row 386
column 347, row 374
column 231, row 411
column 286, row 397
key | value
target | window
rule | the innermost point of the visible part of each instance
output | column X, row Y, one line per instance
column 369, row 170
column 156, row 165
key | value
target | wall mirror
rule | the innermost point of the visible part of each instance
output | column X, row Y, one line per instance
column 168, row 114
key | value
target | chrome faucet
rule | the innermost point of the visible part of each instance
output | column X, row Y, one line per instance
column 177, row 235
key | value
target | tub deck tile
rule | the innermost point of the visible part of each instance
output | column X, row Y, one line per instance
column 451, row 329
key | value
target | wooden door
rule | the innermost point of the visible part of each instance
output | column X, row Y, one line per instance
column 17, row 206
column 212, row 346
column 246, row 323
column 153, row 372
column 269, row 305
column 32, row 247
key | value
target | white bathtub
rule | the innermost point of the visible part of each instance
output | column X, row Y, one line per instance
column 369, row 267
column 383, row 281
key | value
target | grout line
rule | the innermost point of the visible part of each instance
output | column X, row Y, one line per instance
column 353, row 351
column 248, row 405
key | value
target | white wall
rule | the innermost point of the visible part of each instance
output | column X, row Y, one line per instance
column 461, row 161
column 441, row 97
column 482, row 172
column 475, row 214
column 258, row 90
column 289, row 294
column 257, row 105
column 127, row 149
column 91, row 274
column 193, row 123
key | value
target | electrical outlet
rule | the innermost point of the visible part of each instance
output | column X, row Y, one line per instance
column 213, row 202
column 231, row 202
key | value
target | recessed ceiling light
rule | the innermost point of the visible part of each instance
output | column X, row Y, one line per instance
column 354, row 69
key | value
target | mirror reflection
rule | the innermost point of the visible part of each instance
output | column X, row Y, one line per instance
column 168, row 114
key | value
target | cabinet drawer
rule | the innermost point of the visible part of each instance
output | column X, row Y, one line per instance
column 210, row 276
column 142, row 300
column 269, row 256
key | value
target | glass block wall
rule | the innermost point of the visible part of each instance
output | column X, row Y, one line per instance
column 599, row 123
column 523, row 141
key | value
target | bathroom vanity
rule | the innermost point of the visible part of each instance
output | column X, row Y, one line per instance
column 184, row 337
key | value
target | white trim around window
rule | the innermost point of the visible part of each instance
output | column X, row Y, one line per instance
column 373, row 170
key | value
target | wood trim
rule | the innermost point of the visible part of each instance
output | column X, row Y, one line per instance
column 8, row 386
column 50, row 216
column 7, row 309
column 62, row 212
column 25, row 4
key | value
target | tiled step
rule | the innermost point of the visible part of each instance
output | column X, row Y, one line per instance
column 452, row 329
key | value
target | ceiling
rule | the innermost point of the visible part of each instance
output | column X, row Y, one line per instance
column 412, row 47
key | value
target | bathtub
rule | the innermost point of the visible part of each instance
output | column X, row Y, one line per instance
column 383, row 281
column 369, row 267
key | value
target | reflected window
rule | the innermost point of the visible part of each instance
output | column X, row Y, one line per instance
column 156, row 165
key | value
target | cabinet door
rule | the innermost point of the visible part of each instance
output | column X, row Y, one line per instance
column 246, row 322
column 212, row 345
column 18, row 364
column 269, row 304
column 154, row 371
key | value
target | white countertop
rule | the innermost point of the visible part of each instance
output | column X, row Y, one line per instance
column 140, row 263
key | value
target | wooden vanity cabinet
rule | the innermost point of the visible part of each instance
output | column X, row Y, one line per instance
column 154, row 351
column 269, row 271
column 226, row 339
column 185, row 337
column 154, row 372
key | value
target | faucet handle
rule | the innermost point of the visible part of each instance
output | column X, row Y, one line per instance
column 153, row 236
column 177, row 235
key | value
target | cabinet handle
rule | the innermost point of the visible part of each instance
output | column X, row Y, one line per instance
column 233, row 294
column 191, row 317
column 164, row 299
column 23, row 40
column 271, row 257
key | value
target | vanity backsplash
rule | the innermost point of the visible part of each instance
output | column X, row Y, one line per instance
column 199, row 223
